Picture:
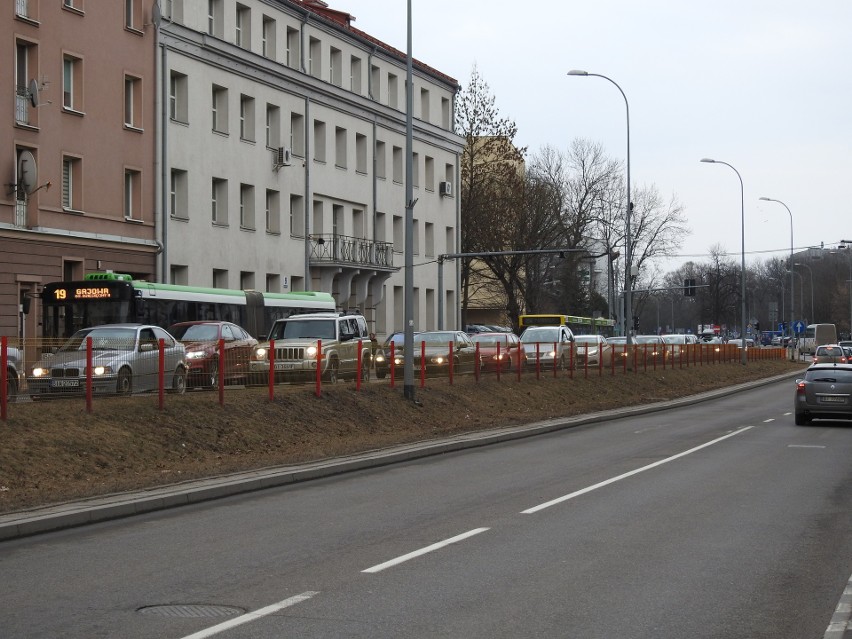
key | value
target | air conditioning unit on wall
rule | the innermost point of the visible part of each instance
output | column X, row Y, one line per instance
column 445, row 188
column 282, row 157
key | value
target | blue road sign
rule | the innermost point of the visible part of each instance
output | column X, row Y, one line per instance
column 799, row 326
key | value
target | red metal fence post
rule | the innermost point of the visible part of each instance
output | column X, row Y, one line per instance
column 422, row 364
column 4, row 362
column 358, row 369
column 392, row 364
column 161, row 371
column 270, row 381
column 220, row 381
column 89, row 374
column 451, row 360
column 318, row 391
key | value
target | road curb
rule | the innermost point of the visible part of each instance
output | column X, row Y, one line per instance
column 108, row 507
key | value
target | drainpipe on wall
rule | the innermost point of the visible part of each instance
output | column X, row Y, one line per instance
column 308, row 282
column 162, row 265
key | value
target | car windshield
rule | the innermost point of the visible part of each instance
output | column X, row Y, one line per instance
column 195, row 332
column 586, row 339
column 304, row 329
column 646, row 339
column 103, row 339
column 674, row 339
column 830, row 351
column 617, row 340
column 533, row 335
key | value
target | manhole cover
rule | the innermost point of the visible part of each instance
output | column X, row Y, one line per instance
column 191, row 610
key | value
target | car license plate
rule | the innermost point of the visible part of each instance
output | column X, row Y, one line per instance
column 285, row 366
column 65, row 383
column 832, row 399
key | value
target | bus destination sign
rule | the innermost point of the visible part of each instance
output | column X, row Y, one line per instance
column 83, row 293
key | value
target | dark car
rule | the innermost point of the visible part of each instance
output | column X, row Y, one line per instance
column 509, row 356
column 830, row 354
column 383, row 355
column 825, row 392
column 201, row 340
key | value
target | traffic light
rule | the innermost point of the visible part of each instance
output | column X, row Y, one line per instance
column 689, row 287
column 635, row 322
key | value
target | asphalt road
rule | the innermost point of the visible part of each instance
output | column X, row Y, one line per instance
column 721, row 520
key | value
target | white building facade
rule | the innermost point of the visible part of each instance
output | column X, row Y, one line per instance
column 281, row 159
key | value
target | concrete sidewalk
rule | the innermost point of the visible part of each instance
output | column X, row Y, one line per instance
column 97, row 509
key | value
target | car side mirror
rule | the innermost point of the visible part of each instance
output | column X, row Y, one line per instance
column 144, row 347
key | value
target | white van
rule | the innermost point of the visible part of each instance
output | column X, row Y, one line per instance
column 817, row 335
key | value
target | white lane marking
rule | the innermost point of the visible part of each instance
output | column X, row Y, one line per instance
column 423, row 551
column 612, row 480
column 251, row 616
column 788, row 414
column 771, row 419
column 804, row 446
column 840, row 619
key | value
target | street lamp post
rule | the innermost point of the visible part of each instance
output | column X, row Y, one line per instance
column 811, row 321
column 743, row 354
column 792, row 298
column 628, row 282
column 847, row 245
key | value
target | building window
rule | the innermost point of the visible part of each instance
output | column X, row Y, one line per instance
column 393, row 91
column 247, row 118
column 72, row 83
column 173, row 10
column 273, row 283
column 132, row 194
column 415, row 170
column 178, row 98
column 297, row 134
column 361, row 153
column 424, row 105
column 359, row 223
column 246, row 281
column 132, row 102
column 375, row 83
column 449, row 170
column 273, row 126
column 297, row 216
column 415, row 235
column 315, row 58
column 380, row 230
column 268, row 42
column 220, row 278
column 133, row 17
column 216, row 18
column 335, row 68
column 355, row 74
column 430, row 239
column 179, row 274
column 398, row 234
column 72, row 180
column 273, row 211
column 293, row 48
column 430, row 174
column 26, row 61
column 381, row 160
column 247, row 206
column 397, row 164
column 243, row 27
column 219, row 201
column 446, row 120
column 220, row 109
column 178, row 195
column 340, row 147
column 319, row 141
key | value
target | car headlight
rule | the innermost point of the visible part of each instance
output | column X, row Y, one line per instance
column 259, row 354
column 439, row 359
column 198, row 354
column 100, row 371
column 38, row 371
column 311, row 351
column 398, row 361
column 379, row 358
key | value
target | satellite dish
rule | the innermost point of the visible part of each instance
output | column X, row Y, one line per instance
column 33, row 88
column 156, row 15
column 27, row 172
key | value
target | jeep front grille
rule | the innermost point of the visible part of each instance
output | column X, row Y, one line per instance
column 290, row 352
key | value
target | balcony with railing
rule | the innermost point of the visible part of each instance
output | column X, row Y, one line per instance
column 331, row 249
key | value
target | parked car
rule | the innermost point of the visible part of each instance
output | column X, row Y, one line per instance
column 592, row 350
column 437, row 352
column 825, row 392
column 296, row 354
column 201, row 339
column 125, row 359
column 738, row 342
column 14, row 371
column 548, row 344
column 510, row 355
column 618, row 344
column 830, row 354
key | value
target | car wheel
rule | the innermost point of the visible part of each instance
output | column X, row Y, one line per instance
column 333, row 372
column 802, row 419
column 179, row 381
column 124, row 385
column 213, row 375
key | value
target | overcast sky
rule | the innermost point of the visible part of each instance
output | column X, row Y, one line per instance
column 765, row 86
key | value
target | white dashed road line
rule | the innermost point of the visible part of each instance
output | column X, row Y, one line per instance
column 840, row 620
column 251, row 616
column 423, row 551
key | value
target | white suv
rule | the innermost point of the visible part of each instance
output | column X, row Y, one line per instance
column 296, row 339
